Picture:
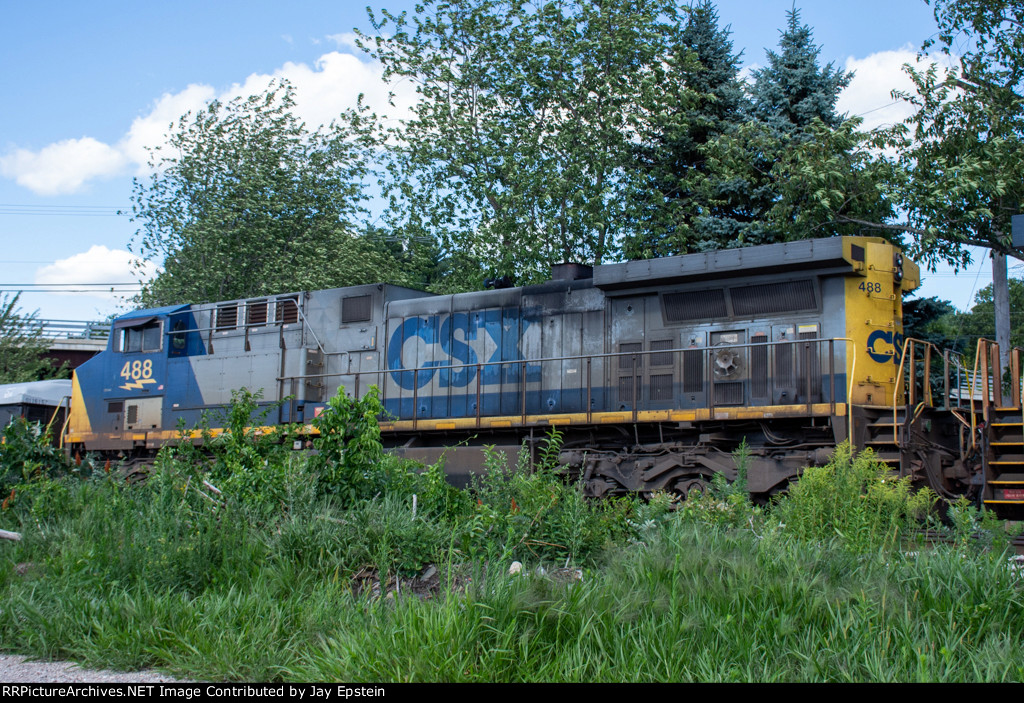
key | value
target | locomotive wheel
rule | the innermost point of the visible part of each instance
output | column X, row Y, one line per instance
column 688, row 488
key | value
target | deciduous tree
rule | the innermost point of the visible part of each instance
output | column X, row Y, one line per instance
column 21, row 348
column 243, row 200
column 528, row 116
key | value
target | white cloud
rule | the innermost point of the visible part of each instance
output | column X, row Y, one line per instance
column 63, row 167
column 346, row 40
column 869, row 94
column 332, row 84
column 98, row 265
column 324, row 90
column 149, row 130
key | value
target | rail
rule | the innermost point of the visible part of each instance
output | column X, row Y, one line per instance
column 796, row 372
column 72, row 329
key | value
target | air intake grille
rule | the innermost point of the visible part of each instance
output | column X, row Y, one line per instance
column 694, row 305
column 759, row 366
column 729, row 393
column 626, row 361
column 773, row 298
column 256, row 313
column 287, row 310
column 693, row 371
column 227, row 317
column 661, row 387
column 664, row 358
column 356, row 309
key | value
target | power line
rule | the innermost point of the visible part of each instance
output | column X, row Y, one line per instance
column 64, row 210
column 52, row 285
column 96, row 291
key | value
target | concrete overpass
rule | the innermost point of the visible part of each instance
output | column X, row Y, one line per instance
column 73, row 341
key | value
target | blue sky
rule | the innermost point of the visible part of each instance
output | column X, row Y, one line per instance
column 87, row 86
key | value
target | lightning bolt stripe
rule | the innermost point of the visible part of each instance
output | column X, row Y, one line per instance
column 136, row 385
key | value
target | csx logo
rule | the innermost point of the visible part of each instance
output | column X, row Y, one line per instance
column 461, row 338
column 877, row 342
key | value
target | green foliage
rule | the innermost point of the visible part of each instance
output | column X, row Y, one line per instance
column 27, row 452
column 956, row 152
column 244, row 201
column 854, row 499
column 980, row 529
column 675, row 158
column 164, row 574
column 350, row 462
column 980, row 321
column 793, row 92
column 246, row 462
column 787, row 166
column 534, row 515
column 528, row 115
column 21, row 347
column 725, row 503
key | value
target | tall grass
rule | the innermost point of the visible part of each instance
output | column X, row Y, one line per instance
column 271, row 578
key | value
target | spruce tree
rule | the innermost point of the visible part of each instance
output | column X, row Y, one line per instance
column 711, row 102
column 754, row 190
column 793, row 90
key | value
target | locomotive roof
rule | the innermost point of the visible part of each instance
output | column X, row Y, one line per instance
column 832, row 253
column 151, row 312
column 50, row 393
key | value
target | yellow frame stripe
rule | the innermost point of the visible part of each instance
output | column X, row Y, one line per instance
column 768, row 412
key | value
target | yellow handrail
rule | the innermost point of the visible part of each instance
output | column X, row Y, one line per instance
column 899, row 380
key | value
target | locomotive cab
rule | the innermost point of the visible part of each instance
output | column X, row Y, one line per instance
column 118, row 396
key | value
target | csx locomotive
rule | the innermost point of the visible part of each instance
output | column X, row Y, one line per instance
column 653, row 371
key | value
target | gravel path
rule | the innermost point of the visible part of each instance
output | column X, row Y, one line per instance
column 16, row 669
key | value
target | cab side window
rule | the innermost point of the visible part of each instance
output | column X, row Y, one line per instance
column 143, row 338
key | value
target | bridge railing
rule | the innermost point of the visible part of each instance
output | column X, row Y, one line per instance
column 72, row 329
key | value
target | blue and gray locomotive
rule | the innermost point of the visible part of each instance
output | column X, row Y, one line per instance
column 654, row 371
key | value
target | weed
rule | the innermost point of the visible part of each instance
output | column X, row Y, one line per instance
column 854, row 499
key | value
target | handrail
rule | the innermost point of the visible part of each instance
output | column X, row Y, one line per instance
column 911, row 343
column 823, row 345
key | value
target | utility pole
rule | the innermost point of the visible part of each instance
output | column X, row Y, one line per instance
column 1001, row 301
column 1001, row 291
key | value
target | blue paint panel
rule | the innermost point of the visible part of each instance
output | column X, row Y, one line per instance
column 541, row 402
column 182, row 336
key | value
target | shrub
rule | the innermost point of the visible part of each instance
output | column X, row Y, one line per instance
column 27, row 452
column 351, row 463
column 854, row 498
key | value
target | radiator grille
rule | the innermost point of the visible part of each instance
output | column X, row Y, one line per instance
column 694, row 305
column 772, row 298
